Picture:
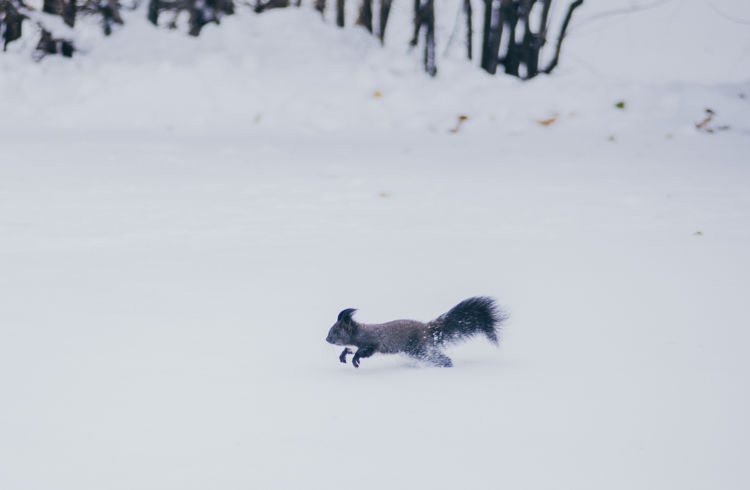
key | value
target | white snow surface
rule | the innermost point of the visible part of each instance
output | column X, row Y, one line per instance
column 182, row 219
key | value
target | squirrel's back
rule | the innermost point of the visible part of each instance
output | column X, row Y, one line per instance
column 394, row 336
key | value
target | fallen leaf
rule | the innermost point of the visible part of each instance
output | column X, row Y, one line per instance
column 547, row 122
column 698, row 233
column 461, row 119
column 702, row 124
column 620, row 104
column 377, row 94
column 384, row 194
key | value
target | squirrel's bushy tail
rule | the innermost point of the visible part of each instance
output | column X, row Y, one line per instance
column 469, row 317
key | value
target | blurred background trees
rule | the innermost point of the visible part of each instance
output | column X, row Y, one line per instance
column 513, row 33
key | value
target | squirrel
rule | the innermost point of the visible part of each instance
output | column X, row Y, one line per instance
column 423, row 341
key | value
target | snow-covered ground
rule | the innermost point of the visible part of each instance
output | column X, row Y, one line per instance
column 178, row 231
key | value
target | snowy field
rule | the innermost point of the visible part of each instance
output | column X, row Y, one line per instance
column 169, row 269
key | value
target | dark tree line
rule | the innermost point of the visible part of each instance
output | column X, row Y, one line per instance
column 201, row 12
column 513, row 31
column 424, row 21
column 13, row 13
column 12, row 17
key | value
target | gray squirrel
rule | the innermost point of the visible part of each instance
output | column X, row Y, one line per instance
column 423, row 341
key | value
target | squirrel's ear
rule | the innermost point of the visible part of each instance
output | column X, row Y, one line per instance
column 346, row 315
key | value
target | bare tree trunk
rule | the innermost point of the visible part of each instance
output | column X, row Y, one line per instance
column 545, row 16
column 429, row 47
column 385, row 11
column 430, row 64
column 424, row 18
column 486, row 24
column 197, row 19
column 493, row 33
column 365, row 15
column 69, row 13
column 510, row 13
column 153, row 11
column 340, row 13
column 561, row 36
column 11, row 23
column 469, row 28
column 417, row 23
column 527, row 52
column 534, row 41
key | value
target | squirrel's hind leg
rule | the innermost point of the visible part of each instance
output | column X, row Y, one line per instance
column 439, row 359
column 430, row 354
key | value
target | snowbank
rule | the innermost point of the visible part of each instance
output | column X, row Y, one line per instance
column 182, row 219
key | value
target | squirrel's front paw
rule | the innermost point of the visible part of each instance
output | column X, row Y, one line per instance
column 342, row 357
column 355, row 361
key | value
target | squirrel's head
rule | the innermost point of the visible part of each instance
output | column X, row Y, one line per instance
column 343, row 330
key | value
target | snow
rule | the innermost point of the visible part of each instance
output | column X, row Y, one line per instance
column 172, row 264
